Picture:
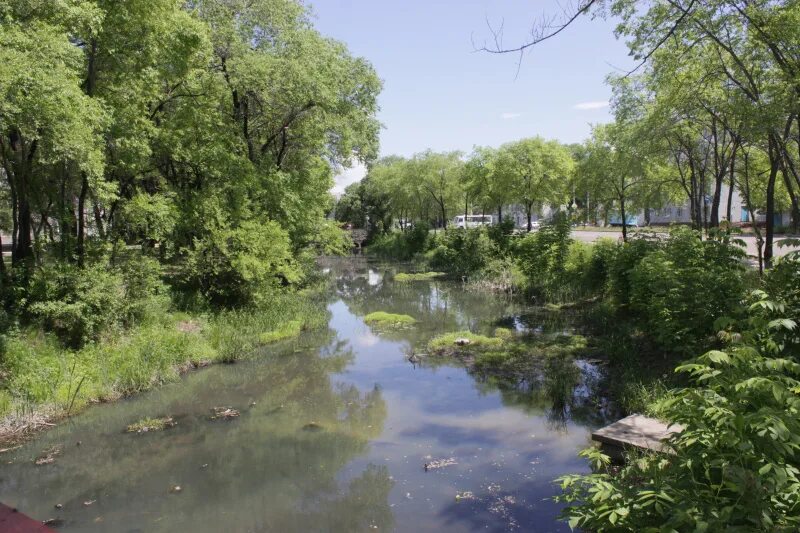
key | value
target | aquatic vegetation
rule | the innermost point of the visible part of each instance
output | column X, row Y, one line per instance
column 381, row 318
column 148, row 424
column 462, row 341
column 503, row 333
column 418, row 276
column 288, row 330
column 224, row 413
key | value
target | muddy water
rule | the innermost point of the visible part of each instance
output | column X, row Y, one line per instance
column 333, row 434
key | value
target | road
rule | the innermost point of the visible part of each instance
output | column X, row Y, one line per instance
column 750, row 240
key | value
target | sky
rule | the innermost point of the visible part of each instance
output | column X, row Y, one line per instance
column 440, row 93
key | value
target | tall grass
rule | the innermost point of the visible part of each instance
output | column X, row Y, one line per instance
column 44, row 376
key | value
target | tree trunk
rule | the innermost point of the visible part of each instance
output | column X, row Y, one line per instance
column 80, row 248
column 729, row 211
column 774, row 157
column 624, row 219
column 793, row 197
column 499, row 214
column 715, row 201
column 528, row 213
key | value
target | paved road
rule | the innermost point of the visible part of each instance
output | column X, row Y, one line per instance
column 750, row 240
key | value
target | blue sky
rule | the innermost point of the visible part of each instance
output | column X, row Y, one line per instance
column 441, row 94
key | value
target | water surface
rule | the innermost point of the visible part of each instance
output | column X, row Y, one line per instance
column 335, row 429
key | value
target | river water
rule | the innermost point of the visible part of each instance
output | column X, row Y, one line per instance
column 335, row 429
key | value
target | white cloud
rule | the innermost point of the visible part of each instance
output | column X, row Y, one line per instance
column 583, row 106
column 348, row 176
column 510, row 116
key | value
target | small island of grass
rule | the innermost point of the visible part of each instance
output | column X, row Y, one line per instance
column 148, row 424
column 463, row 340
column 418, row 276
column 381, row 318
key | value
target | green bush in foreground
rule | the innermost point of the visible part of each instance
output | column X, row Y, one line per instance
column 734, row 464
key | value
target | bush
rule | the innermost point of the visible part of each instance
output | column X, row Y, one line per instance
column 241, row 266
column 75, row 303
column 679, row 290
column 402, row 245
column 542, row 257
column 330, row 239
column 502, row 234
column 462, row 252
column 733, row 466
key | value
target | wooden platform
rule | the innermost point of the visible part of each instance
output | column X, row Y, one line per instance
column 635, row 431
column 12, row 521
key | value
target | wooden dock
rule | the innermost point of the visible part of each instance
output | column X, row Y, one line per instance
column 635, row 431
column 12, row 521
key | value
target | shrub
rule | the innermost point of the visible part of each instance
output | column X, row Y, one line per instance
column 77, row 304
column 542, row 256
column 241, row 266
column 402, row 245
column 679, row 290
column 462, row 252
column 501, row 234
column 734, row 463
column 330, row 239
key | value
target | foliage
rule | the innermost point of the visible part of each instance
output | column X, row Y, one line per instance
column 446, row 343
column 330, row 239
column 43, row 374
column 733, row 466
column 417, row 276
column 679, row 290
column 236, row 267
column 81, row 304
column 401, row 245
column 542, row 256
column 384, row 319
column 461, row 252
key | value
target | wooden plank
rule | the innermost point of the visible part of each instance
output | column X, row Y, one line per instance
column 12, row 521
column 637, row 431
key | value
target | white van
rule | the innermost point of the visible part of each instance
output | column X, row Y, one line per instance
column 472, row 221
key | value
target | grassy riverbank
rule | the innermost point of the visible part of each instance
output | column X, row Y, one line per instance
column 44, row 381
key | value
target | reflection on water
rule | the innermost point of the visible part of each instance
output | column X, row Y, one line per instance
column 335, row 429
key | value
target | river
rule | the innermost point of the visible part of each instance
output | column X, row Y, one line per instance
column 334, row 432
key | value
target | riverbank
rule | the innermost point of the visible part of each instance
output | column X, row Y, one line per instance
column 44, row 382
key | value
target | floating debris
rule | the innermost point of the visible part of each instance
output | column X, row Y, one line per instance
column 48, row 456
column 58, row 506
column 175, row 489
column 466, row 495
column 148, row 424
column 439, row 463
column 226, row 413
column 87, row 503
column 312, row 426
column 53, row 522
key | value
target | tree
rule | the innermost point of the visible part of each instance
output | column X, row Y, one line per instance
column 537, row 172
column 440, row 175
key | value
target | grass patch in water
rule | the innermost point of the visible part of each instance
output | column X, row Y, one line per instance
column 148, row 424
column 382, row 318
column 418, row 276
column 519, row 358
column 451, row 342
column 286, row 331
